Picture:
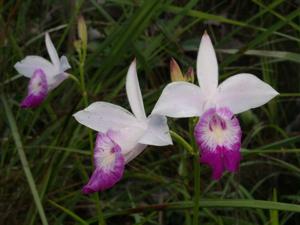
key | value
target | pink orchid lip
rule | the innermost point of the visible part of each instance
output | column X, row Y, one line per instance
column 37, row 90
column 218, row 135
column 109, row 163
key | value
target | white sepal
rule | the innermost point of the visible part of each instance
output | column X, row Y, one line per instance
column 102, row 116
column 64, row 63
column 207, row 65
column 180, row 99
column 134, row 92
column 243, row 92
column 52, row 52
column 157, row 132
column 29, row 64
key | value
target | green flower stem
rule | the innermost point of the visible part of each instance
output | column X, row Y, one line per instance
column 196, row 189
column 195, row 154
column 182, row 142
column 96, row 196
column 189, row 150
column 82, row 57
column 24, row 161
column 75, row 79
column 82, row 82
column 196, row 200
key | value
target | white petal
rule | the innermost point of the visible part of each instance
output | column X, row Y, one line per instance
column 128, row 138
column 180, row 99
column 57, row 79
column 52, row 51
column 29, row 64
column 134, row 152
column 102, row 116
column 157, row 132
column 243, row 92
column 54, row 81
column 207, row 65
column 134, row 92
column 64, row 63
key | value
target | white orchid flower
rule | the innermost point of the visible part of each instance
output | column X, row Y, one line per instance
column 217, row 133
column 122, row 135
column 44, row 75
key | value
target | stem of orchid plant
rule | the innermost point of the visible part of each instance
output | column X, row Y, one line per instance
column 75, row 79
column 196, row 152
column 82, row 57
column 182, row 142
column 186, row 146
column 196, row 189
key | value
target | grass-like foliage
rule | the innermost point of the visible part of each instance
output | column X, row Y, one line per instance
column 45, row 155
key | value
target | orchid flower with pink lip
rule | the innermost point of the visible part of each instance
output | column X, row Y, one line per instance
column 218, row 133
column 44, row 75
column 122, row 136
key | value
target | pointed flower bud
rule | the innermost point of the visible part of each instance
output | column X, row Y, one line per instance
column 78, row 45
column 189, row 76
column 82, row 31
column 176, row 74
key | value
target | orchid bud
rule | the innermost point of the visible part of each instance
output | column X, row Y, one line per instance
column 189, row 76
column 78, row 45
column 82, row 31
column 176, row 74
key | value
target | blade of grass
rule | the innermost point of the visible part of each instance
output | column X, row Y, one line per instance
column 262, row 37
column 239, row 203
column 24, row 161
column 256, row 16
column 282, row 142
column 182, row 142
column 274, row 213
column 291, row 23
column 269, row 151
column 221, row 19
column 70, row 213
column 283, row 55
column 126, row 34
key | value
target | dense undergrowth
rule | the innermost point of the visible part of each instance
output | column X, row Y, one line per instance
column 259, row 37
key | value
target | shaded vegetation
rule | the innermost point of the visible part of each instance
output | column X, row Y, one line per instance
column 259, row 37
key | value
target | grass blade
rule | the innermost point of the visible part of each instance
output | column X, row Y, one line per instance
column 223, row 203
column 70, row 213
column 25, row 165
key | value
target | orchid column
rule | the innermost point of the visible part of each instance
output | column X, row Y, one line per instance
column 217, row 133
